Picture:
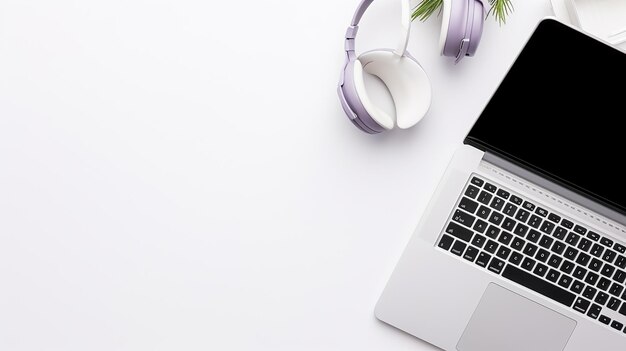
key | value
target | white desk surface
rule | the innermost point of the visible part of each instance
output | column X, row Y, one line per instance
column 179, row 174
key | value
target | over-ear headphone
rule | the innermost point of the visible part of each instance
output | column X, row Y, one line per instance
column 405, row 79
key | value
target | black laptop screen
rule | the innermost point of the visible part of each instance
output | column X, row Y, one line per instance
column 560, row 112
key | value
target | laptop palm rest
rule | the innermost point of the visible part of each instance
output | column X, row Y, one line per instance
column 505, row 320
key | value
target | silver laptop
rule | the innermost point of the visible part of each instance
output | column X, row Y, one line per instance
column 523, row 244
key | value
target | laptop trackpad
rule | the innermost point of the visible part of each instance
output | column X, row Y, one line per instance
column 505, row 320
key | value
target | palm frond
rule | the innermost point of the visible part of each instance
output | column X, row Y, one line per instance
column 499, row 9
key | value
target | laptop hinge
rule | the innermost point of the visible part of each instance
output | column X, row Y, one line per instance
column 559, row 190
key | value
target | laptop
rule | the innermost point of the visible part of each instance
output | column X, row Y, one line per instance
column 523, row 244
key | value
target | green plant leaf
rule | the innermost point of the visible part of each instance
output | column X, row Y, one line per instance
column 500, row 9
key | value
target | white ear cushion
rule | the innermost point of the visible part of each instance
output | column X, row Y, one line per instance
column 445, row 24
column 379, row 116
column 407, row 82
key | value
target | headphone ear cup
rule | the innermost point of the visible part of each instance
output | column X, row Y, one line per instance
column 407, row 83
column 453, row 26
column 477, row 26
column 379, row 116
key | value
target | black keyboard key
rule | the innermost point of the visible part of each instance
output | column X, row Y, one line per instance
column 547, row 227
column 508, row 224
column 484, row 197
column 580, row 230
column 581, row 305
column 590, row 292
column 554, row 261
column 596, row 250
column 530, row 249
column 594, row 311
column 539, row 285
column 470, row 254
column 577, row 287
column 613, row 304
column 459, row 232
column 622, row 310
column 468, row 205
column 509, row 210
column 505, row 238
column 458, row 248
column 572, row 238
column 584, row 244
column 606, row 242
column 541, row 211
column 533, row 236
column 503, row 252
column 516, row 200
column 553, row 275
column 602, row 298
column 529, row 206
column 483, row 259
column 522, row 215
column 607, row 270
column 593, row 236
column 497, row 203
column 617, row 325
column 540, row 269
column 580, row 272
column 616, row 289
column 620, row 262
column 565, row 281
column 520, row 229
column 567, row 267
column 463, row 218
column 603, row 284
column 471, row 191
column 492, row 232
column 609, row 255
column 542, row 255
column 558, row 247
column 592, row 278
column 604, row 319
column 534, row 221
column 480, row 226
column 477, row 181
column 554, row 218
column 445, row 242
column 496, row 265
column 595, row 265
column 583, row 259
column 517, row 244
column 619, row 276
column 567, row 223
column 483, row 212
column 546, row 242
column 570, row 253
column 619, row 248
column 479, row 241
column 528, row 263
column 516, row 258
column 496, row 218
column 491, row 246
column 503, row 194
column 560, row 233
column 490, row 188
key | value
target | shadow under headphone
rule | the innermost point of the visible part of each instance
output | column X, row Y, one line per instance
column 404, row 77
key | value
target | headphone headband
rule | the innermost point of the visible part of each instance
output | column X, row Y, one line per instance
column 358, row 14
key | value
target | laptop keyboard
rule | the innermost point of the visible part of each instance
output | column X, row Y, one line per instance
column 508, row 235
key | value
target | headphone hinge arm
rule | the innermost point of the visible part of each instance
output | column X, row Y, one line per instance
column 350, row 35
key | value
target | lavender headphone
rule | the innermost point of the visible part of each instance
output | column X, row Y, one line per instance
column 405, row 79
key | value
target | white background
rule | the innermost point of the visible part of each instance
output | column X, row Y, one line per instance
column 179, row 174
